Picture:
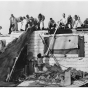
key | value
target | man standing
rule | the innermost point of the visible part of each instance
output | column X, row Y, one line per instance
column 27, row 22
column 41, row 19
column 23, row 23
column 19, row 21
column 11, row 23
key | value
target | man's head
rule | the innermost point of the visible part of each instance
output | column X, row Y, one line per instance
column 63, row 15
column 39, row 55
column 40, row 16
column 27, row 16
column 12, row 15
column 31, row 19
column 69, row 15
column 51, row 19
column 76, row 17
column 24, row 17
column 21, row 18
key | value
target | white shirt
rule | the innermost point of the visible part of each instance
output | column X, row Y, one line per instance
column 19, row 26
column 41, row 24
column 64, row 21
column 77, row 24
column 24, row 23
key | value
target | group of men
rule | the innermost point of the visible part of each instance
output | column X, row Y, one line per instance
column 23, row 23
column 26, row 22
column 64, row 23
column 14, row 23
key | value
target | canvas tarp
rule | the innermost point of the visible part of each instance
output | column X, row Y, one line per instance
column 11, row 52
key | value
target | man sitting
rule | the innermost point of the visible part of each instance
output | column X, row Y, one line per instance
column 51, row 25
column 86, row 23
column 69, row 22
column 63, row 22
column 77, row 22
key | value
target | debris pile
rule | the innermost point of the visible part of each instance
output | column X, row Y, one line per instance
column 52, row 76
column 55, row 76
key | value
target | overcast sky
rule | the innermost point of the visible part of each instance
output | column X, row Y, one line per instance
column 52, row 9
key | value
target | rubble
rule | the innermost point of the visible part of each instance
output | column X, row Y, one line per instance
column 55, row 77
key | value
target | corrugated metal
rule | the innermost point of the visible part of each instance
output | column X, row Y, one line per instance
column 65, row 42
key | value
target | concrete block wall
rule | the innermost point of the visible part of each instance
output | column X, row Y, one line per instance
column 86, row 44
column 35, row 44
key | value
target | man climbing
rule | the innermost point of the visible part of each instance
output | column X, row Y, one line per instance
column 23, row 23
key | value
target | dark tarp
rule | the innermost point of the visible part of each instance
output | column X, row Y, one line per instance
column 12, row 51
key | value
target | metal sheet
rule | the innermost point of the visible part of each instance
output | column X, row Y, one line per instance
column 65, row 42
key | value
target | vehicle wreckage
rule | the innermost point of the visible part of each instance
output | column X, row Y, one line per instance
column 65, row 58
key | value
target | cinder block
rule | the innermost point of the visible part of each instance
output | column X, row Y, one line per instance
column 67, row 80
